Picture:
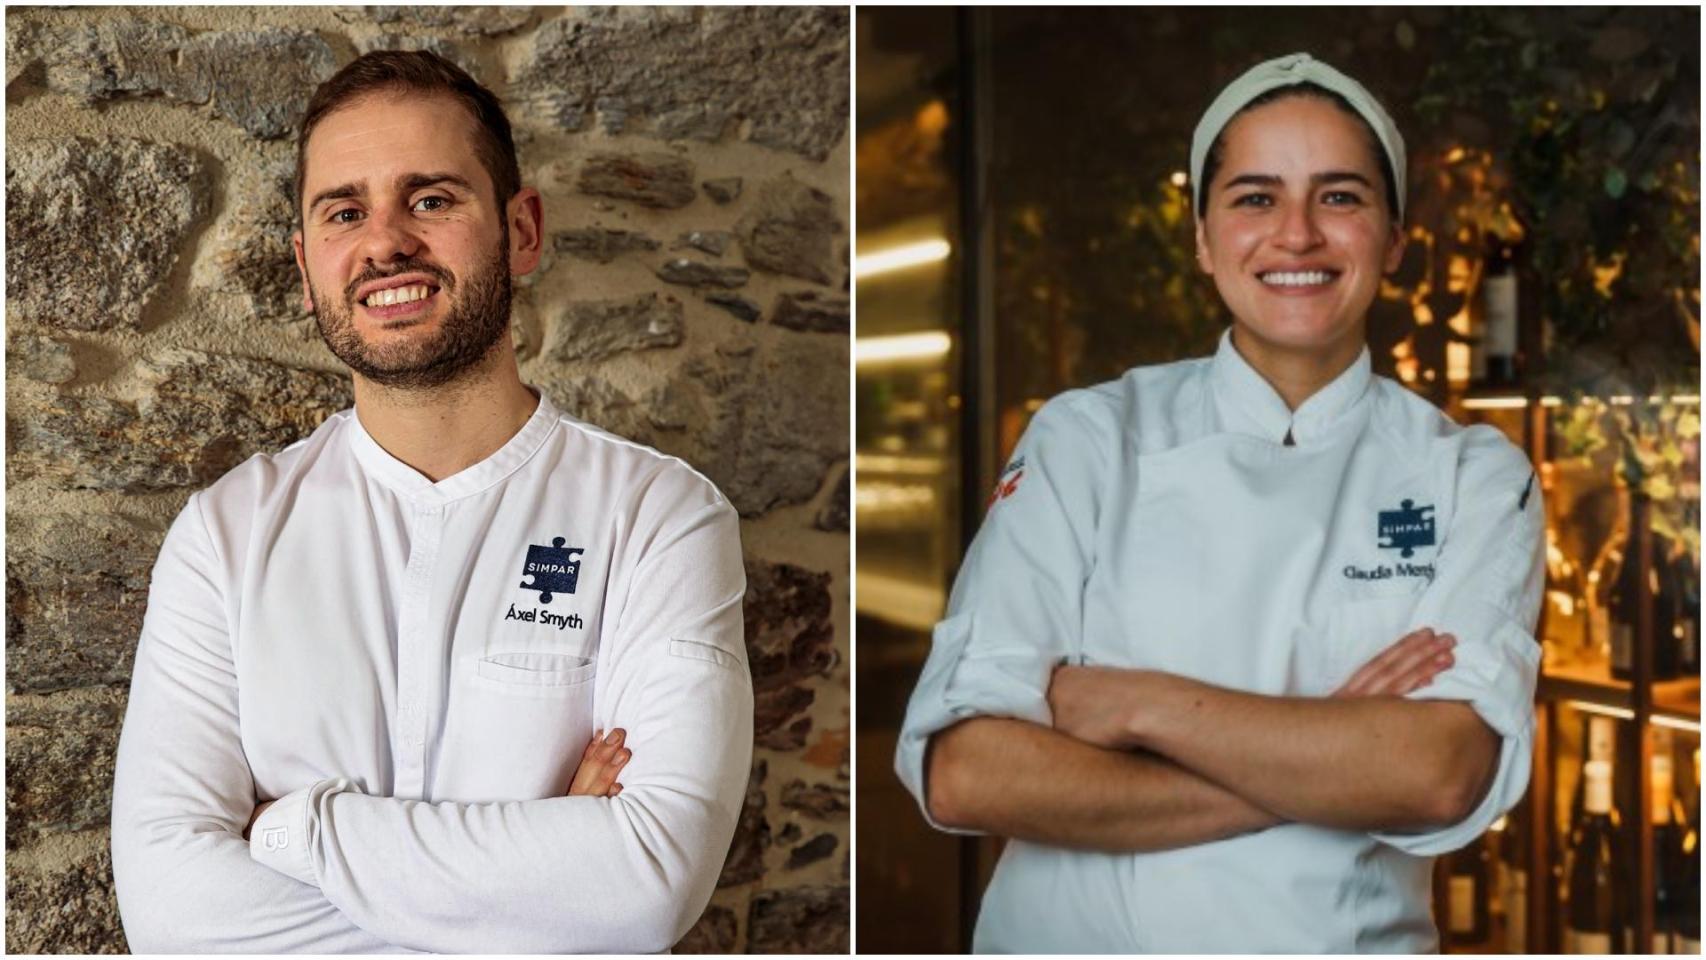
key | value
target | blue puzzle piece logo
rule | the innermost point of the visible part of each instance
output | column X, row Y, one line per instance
column 554, row 569
column 1406, row 528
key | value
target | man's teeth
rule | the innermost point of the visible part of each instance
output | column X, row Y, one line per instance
column 385, row 298
column 1298, row 278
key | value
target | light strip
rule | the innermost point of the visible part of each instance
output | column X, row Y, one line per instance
column 1517, row 403
column 1604, row 711
column 898, row 349
column 899, row 258
column 1676, row 723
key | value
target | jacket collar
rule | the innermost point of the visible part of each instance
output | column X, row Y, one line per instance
column 1248, row 404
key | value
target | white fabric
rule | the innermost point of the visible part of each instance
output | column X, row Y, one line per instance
column 1159, row 522
column 1288, row 71
column 328, row 627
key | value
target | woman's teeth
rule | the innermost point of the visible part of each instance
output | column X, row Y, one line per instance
column 1298, row 278
column 385, row 298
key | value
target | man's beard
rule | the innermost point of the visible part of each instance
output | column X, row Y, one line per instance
column 476, row 320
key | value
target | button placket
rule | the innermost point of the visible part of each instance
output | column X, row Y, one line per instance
column 414, row 656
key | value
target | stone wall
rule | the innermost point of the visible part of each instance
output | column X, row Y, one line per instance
column 693, row 296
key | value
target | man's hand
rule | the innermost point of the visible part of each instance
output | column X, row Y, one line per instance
column 601, row 761
column 1407, row 665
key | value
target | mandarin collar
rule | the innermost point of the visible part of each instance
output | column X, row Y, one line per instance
column 1248, row 404
column 411, row 483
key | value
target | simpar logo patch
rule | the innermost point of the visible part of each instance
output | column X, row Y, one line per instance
column 1406, row 528
column 554, row 569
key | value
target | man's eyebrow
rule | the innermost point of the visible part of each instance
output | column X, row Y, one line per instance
column 1319, row 179
column 405, row 183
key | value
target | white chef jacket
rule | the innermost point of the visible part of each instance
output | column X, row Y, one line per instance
column 1159, row 522
column 413, row 669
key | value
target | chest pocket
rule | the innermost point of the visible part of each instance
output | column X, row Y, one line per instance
column 517, row 726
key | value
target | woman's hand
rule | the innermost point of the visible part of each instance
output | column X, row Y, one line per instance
column 601, row 761
column 1407, row 665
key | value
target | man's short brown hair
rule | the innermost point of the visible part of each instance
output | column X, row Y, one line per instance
column 398, row 71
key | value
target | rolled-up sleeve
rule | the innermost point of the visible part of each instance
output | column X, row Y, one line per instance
column 1486, row 592
column 1016, row 607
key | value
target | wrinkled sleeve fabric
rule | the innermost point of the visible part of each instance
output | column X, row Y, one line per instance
column 1489, row 575
column 183, row 792
column 1016, row 608
column 628, row 874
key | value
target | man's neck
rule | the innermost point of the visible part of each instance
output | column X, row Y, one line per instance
column 444, row 430
column 1295, row 376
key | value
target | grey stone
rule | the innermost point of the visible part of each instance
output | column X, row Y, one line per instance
column 59, row 896
column 813, row 312
column 834, row 515
column 594, row 330
column 59, row 760
column 44, row 359
column 596, row 401
column 80, row 254
column 660, row 180
column 23, row 46
column 261, row 79
column 777, row 422
column 600, row 245
column 668, row 406
column 714, row 933
column 791, row 229
column 203, row 414
column 713, row 242
column 745, row 861
column 739, row 306
column 483, row 21
column 693, row 273
column 820, row 847
column 76, row 589
column 789, row 835
column 778, row 75
column 252, row 251
column 413, row 42
column 800, row 920
column 818, row 800
column 790, row 644
column 723, row 190
column 258, row 79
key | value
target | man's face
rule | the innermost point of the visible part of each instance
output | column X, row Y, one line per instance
column 1297, row 233
column 408, row 201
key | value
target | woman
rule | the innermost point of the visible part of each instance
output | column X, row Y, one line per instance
column 1295, row 603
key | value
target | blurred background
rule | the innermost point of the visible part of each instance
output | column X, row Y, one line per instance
column 1024, row 227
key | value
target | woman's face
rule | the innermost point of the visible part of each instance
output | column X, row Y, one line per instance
column 1297, row 234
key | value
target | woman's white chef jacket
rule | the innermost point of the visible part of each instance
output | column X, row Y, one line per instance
column 413, row 669
column 1158, row 521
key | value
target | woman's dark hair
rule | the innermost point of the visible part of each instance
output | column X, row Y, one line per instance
column 398, row 71
column 1217, row 149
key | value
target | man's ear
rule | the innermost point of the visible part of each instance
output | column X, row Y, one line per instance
column 302, row 268
column 526, row 213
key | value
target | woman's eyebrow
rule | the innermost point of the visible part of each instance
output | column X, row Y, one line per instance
column 1317, row 180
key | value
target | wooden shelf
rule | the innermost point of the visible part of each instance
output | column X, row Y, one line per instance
column 1593, row 683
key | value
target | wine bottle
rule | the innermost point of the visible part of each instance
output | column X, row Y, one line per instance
column 1513, row 877
column 1467, row 921
column 1594, row 920
column 1614, row 594
column 1668, row 849
column 1688, row 927
column 1499, row 313
column 1665, row 582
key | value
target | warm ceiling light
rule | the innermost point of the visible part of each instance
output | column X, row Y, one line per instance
column 899, row 258
column 900, row 349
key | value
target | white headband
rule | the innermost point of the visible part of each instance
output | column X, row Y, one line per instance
column 1284, row 72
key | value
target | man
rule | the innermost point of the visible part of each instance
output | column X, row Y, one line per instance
column 1294, row 603
column 387, row 649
